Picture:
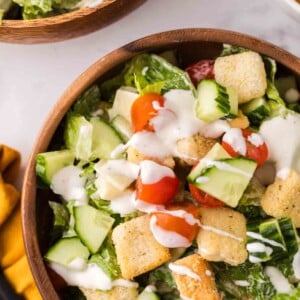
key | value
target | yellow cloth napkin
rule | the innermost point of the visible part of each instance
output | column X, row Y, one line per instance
column 13, row 260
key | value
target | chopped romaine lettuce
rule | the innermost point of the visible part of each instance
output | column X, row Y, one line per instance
column 293, row 295
column 163, row 280
column 246, row 281
column 106, row 259
column 61, row 220
column 249, row 204
column 148, row 73
column 232, row 49
column 88, row 102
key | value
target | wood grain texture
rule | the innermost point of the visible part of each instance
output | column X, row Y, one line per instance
column 192, row 45
column 65, row 26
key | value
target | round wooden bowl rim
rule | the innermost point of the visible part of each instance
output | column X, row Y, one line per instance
column 55, row 20
column 146, row 44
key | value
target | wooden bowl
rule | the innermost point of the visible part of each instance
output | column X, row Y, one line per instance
column 65, row 26
column 192, row 44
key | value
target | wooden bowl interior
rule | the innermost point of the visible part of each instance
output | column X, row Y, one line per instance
column 191, row 45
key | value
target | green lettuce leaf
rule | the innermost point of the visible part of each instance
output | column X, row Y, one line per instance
column 60, row 221
column 232, row 49
column 88, row 102
column 148, row 73
column 106, row 259
column 293, row 295
column 34, row 9
column 257, row 285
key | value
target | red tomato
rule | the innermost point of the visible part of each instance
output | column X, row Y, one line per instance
column 203, row 69
column 203, row 198
column 142, row 111
column 159, row 192
column 258, row 153
column 178, row 224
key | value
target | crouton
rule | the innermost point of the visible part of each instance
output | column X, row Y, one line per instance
column 282, row 198
column 193, row 148
column 241, row 121
column 222, row 236
column 245, row 72
column 117, row 292
column 136, row 248
column 196, row 281
column 133, row 155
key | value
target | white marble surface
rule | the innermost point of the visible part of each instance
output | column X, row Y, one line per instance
column 32, row 77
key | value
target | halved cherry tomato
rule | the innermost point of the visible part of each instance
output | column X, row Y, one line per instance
column 142, row 111
column 203, row 198
column 203, row 69
column 258, row 153
column 160, row 192
column 179, row 224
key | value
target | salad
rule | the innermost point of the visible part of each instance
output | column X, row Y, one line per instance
column 178, row 182
column 27, row 10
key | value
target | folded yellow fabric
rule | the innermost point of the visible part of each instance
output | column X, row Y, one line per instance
column 13, row 260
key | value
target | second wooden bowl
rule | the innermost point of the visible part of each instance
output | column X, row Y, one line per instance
column 67, row 25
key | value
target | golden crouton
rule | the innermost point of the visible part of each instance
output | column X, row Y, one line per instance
column 241, row 121
column 245, row 72
column 198, row 281
column 282, row 198
column 136, row 248
column 117, row 292
column 134, row 156
column 222, row 235
column 193, row 148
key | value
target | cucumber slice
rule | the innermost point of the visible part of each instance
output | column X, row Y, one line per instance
column 270, row 230
column 92, row 226
column 48, row 163
column 289, row 234
column 215, row 153
column 145, row 295
column 212, row 101
column 123, row 127
column 105, row 139
column 258, row 251
column 67, row 249
column 78, row 136
column 226, row 179
column 256, row 110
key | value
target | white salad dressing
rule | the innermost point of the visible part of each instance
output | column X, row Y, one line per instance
column 208, row 273
column 125, row 283
column 257, row 236
column 123, row 204
column 235, row 139
column 280, row 283
column 183, row 270
column 167, row 238
column 69, row 183
column 77, row 263
column 296, row 265
column 259, row 247
column 255, row 139
column 221, row 232
column 224, row 167
column 243, row 283
column 282, row 136
column 152, row 172
column 174, row 121
column 90, row 3
column 91, row 277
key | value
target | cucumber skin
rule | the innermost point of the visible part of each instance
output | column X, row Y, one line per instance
column 87, row 217
column 229, row 180
column 53, row 160
column 210, row 110
column 289, row 234
column 66, row 246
